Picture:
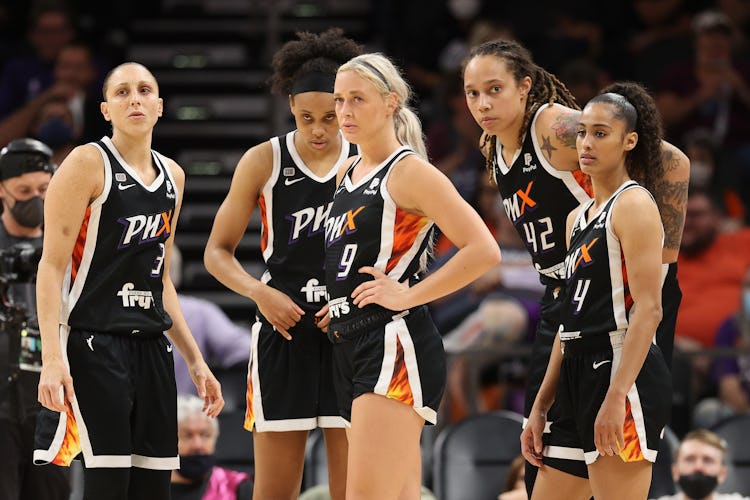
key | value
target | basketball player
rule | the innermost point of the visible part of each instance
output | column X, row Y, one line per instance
column 105, row 297
column 388, row 356
column 290, row 179
column 609, row 376
column 529, row 120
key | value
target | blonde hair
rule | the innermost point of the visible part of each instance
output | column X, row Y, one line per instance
column 706, row 437
column 383, row 74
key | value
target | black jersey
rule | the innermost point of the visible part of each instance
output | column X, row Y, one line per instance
column 114, row 279
column 366, row 228
column 597, row 297
column 294, row 205
column 538, row 198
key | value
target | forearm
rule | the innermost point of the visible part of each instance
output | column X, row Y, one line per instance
column 548, row 390
column 224, row 266
column 48, row 300
column 468, row 264
column 638, row 340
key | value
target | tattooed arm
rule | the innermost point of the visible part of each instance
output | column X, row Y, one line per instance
column 671, row 196
column 556, row 135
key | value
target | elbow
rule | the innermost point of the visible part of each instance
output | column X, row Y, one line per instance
column 209, row 259
column 494, row 255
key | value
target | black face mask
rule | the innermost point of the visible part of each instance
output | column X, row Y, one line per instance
column 55, row 133
column 28, row 213
column 698, row 485
column 196, row 467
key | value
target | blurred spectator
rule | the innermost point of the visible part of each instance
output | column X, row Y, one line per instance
column 732, row 373
column 583, row 78
column 223, row 343
column 54, row 127
column 662, row 34
column 711, row 266
column 198, row 478
column 452, row 140
column 26, row 77
column 515, row 488
column 714, row 173
column 76, row 83
column 709, row 92
column 700, row 467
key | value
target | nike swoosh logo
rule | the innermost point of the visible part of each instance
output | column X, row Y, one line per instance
column 600, row 363
column 123, row 187
column 289, row 182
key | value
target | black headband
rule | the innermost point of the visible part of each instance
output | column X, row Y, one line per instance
column 376, row 71
column 315, row 81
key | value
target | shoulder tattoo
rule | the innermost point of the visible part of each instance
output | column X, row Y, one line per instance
column 547, row 146
column 565, row 128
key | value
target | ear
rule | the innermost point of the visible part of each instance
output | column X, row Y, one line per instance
column 675, row 473
column 291, row 103
column 524, row 86
column 391, row 102
column 104, row 108
column 631, row 139
column 723, row 474
column 160, row 109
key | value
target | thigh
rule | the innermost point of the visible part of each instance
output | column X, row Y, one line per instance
column 613, row 479
column 383, row 448
column 279, row 460
column 154, row 417
column 553, row 483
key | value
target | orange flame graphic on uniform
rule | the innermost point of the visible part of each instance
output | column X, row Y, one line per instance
column 399, row 388
column 632, row 451
column 79, row 246
column 249, row 414
column 584, row 181
column 405, row 232
column 71, row 445
column 264, row 225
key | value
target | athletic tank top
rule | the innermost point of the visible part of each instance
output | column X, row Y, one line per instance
column 294, row 205
column 366, row 228
column 113, row 282
column 597, row 297
column 538, row 198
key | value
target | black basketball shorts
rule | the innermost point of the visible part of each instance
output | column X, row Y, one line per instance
column 125, row 408
column 290, row 382
column 402, row 359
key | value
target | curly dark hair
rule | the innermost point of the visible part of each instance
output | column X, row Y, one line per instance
column 545, row 87
column 323, row 52
column 644, row 162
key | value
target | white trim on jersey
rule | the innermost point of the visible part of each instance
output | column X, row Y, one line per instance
column 398, row 331
column 387, row 232
column 350, row 186
column 619, row 312
column 267, row 193
column 160, row 158
column 131, row 171
column 343, row 155
column 70, row 294
column 504, row 168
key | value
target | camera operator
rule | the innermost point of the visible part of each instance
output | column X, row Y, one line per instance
column 25, row 172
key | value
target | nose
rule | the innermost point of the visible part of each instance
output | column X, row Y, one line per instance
column 484, row 102
column 344, row 109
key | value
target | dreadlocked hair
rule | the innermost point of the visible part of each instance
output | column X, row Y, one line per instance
column 643, row 163
column 310, row 52
column 545, row 87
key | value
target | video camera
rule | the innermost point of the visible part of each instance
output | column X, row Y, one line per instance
column 18, row 263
